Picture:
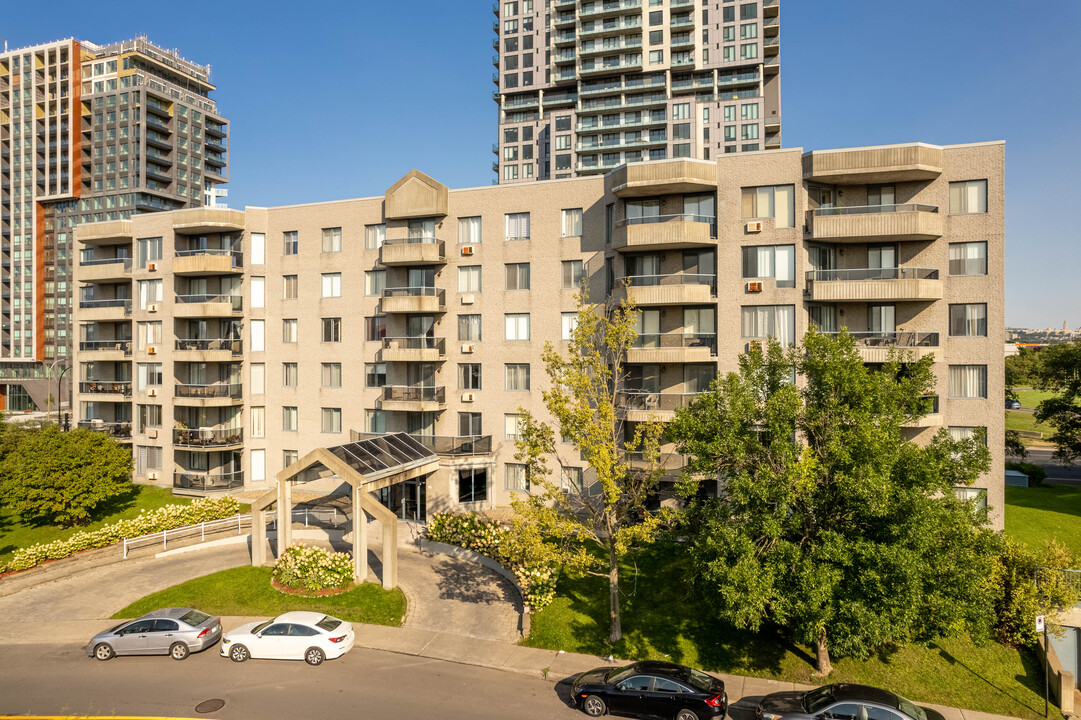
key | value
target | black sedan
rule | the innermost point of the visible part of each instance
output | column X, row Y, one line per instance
column 844, row 701
column 651, row 689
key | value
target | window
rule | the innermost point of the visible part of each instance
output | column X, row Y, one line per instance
column 776, row 321
column 258, row 248
column 729, row 133
column 149, row 416
column 563, row 123
column 749, row 132
column 728, row 33
column 517, row 226
column 375, row 328
column 375, row 421
column 517, row 276
column 289, row 419
column 147, row 375
column 515, row 478
column 149, row 291
column 332, row 330
column 469, row 328
column 469, row 376
column 146, row 333
column 289, row 287
column 968, row 258
column 681, row 131
column 572, row 222
column 331, row 375
column 332, row 285
column 748, row 31
column 771, row 261
column 374, row 236
column 570, row 478
column 510, row 172
column 748, row 51
column 976, row 496
column 469, row 278
column 510, row 425
column 469, row 230
column 959, row 432
column 289, row 457
column 332, row 420
column 149, row 250
column 656, row 57
column 771, row 201
column 748, row 11
column 656, row 17
column 472, row 485
column 332, row 240
column 258, row 378
column 375, row 281
column 258, row 422
column 375, row 375
column 968, row 320
column 656, row 37
column 572, row 274
column 517, row 326
column 289, row 330
column 682, row 111
column 289, row 374
column 569, row 321
column 258, row 292
column 968, row 381
column 290, row 243
column 517, row 377
column 968, row 197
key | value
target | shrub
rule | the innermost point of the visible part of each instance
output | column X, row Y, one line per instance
column 1036, row 474
column 163, row 518
column 1027, row 584
column 487, row 537
column 313, row 568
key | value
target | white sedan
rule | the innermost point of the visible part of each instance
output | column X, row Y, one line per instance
column 308, row 636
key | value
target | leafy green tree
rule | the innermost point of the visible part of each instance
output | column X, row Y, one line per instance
column 830, row 524
column 1018, row 600
column 591, row 526
column 61, row 477
column 1059, row 370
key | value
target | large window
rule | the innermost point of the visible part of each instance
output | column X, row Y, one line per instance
column 258, row 378
column 771, row 261
column 332, row 330
column 147, row 375
column 771, row 201
column 976, row 496
column 290, row 243
column 517, row 226
column 469, row 376
column 968, row 258
column 374, row 236
column 517, row 377
column 472, row 485
column 332, row 285
column 469, row 328
column 572, row 274
column 331, row 375
column 968, row 197
column 515, row 478
column 148, row 291
column 968, row 381
column 969, row 320
column 258, row 422
column 332, row 240
column 375, row 281
column 572, row 222
column 517, row 326
column 517, row 276
column 469, row 278
column 332, row 420
column 776, row 321
column 469, row 230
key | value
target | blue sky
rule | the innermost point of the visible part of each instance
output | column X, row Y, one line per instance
column 333, row 100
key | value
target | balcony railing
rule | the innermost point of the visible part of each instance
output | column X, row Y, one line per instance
column 665, row 461
column 457, row 445
column 208, row 482
column 115, row 429
column 672, row 279
column 649, row 341
column 106, row 261
column 892, row 338
column 106, row 387
column 209, row 344
column 897, row 273
column 641, row 400
column 213, row 390
column 415, row 292
column 415, row 343
column 207, row 437
column 678, row 217
column 413, row 393
column 237, row 301
column 109, row 303
column 875, row 209
column 414, row 240
column 214, row 252
column 103, row 345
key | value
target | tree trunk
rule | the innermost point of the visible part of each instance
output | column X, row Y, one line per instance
column 822, row 656
column 616, row 633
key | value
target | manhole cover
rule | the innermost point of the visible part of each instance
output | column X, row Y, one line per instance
column 209, row 706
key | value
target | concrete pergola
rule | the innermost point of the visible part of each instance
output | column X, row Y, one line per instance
column 363, row 467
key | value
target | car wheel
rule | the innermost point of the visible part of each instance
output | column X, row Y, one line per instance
column 593, row 706
column 179, row 651
column 104, row 651
column 239, row 653
column 314, row 656
column 686, row 715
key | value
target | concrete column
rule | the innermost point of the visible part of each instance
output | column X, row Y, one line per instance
column 360, row 539
column 390, row 553
column 258, row 538
column 288, row 527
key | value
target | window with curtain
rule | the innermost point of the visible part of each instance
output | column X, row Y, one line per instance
column 510, row 425
column 469, row 230
column 968, row 381
column 776, row 321
column 289, row 330
column 968, row 258
column 572, row 222
column 258, row 465
column 976, row 496
column 331, row 375
column 961, row 432
column 568, row 321
column 332, row 240
column 469, row 376
column 469, row 278
column 968, row 320
column 258, row 378
column 375, row 328
column 469, row 328
column 289, row 418
column 289, row 457
column 258, row 335
column 968, row 197
column 147, row 375
column 771, row 261
column 770, row 201
column 148, row 250
column 699, row 321
column 639, row 211
column 290, row 243
column 290, row 374
column 148, row 333
column 515, row 478
column 517, row 226
column 517, row 377
column 258, row 292
column 375, row 281
column 149, row 291
column 258, row 249
column 374, row 236
column 332, row 285
column 332, row 420
column 570, row 478
column 258, row 422
column 332, row 329
column 824, row 316
column 517, row 326
column 517, row 276
column 290, row 287
column 469, row 424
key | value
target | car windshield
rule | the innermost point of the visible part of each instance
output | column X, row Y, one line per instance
column 618, row 674
column 195, row 618
column 260, row 627
column 817, row 699
column 910, row 709
column 699, row 680
column 328, row 623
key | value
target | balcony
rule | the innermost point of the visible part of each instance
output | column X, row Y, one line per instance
column 874, row 285
column 609, row 8
column 105, row 350
column 412, row 251
column 414, row 300
column 203, row 221
column 413, row 398
column 212, row 395
column 116, row 232
column 886, row 164
column 115, row 390
column 673, row 177
column 932, row 419
column 661, row 348
column 207, row 349
column 641, row 406
column 118, row 430
column 413, row 349
column 449, row 445
column 208, row 482
column 664, row 232
column 199, row 306
column 112, row 309
column 105, row 269
column 207, row 261
column 878, row 223
column 675, row 289
column 200, row 438
column 875, row 346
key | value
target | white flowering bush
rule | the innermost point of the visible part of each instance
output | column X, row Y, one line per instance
column 313, row 568
column 167, row 517
column 488, row 537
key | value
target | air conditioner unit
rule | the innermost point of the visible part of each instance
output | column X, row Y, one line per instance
column 755, row 226
column 469, row 397
column 467, row 347
column 755, row 286
column 152, row 307
column 152, row 475
column 467, row 250
column 469, row 299
column 152, row 267
column 152, row 434
column 152, row 350
column 152, row 392
column 754, row 345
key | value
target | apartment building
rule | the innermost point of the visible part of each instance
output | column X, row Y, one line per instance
column 584, row 86
column 260, row 335
column 88, row 133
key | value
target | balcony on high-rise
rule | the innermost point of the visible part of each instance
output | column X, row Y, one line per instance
column 904, row 221
column 874, row 284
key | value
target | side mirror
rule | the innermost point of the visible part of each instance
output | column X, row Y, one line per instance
column 258, row 635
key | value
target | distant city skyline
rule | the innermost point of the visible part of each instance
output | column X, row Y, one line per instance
column 364, row 102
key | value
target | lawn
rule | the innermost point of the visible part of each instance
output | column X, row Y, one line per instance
column 15, row 533
column 1031, row 398
column 664, row 619
column 246, row 591
column 1035, row 515
column 1020, row 420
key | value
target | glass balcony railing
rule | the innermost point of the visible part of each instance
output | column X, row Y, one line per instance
column 678, row 217
column 106, row 387
column 896, row 273
column 671, row 279
column 207, row 437
column 120, row 430
column 875, row 209
column 643, row 400
column 104, row 345
column 235, row 346
column 415, row 343
column 659, row 341
column 208, row 482
column 892, row 338
column 213, row 390
column 236, row 301
column 415, row 393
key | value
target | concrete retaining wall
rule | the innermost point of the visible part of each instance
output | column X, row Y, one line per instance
column 1062, row 681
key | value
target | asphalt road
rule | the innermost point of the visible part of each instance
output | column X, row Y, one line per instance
column 1042, row 456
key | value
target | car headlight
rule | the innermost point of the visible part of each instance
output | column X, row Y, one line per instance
column 770, row 716
column 226, row 641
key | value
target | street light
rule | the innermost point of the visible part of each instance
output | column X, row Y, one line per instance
column 59, row 382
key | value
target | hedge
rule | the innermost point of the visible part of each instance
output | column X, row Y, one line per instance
column 312, row 568
column 167, row 517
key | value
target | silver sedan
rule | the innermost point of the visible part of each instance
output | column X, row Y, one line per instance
column 176, row 632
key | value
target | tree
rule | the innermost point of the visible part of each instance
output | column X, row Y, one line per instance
column 589, row 527
column 830, row 523
column 1059, row 370
column 61, row 478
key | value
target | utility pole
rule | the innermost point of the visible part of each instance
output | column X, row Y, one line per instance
column 59, row 384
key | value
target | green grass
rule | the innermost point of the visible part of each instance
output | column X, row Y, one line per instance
column 1019, row 420
column 1031, row 398
column 1035, row 515
column 246, row 591
column 663, row 619
column 16, row 533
